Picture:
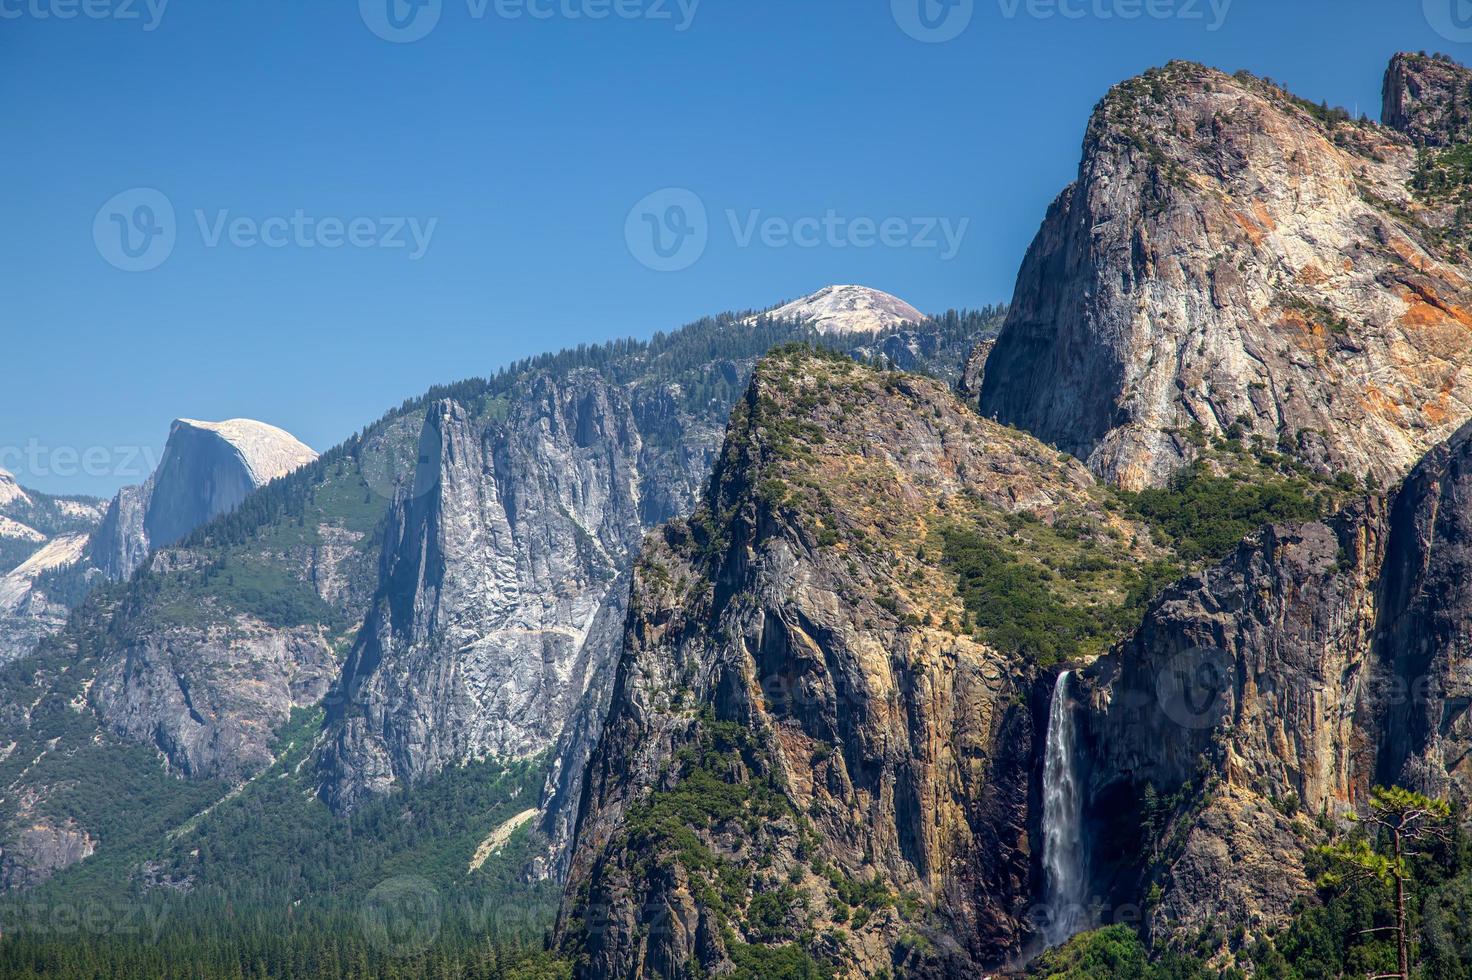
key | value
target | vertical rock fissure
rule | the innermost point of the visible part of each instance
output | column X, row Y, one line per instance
column 1063, row 849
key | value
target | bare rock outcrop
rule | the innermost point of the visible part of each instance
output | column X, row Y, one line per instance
column 211, row 697
column 800, row 712
column 1429, row 99
column 1232, row 255
column 504, row 580
column 207, row 469
column 1280, row 686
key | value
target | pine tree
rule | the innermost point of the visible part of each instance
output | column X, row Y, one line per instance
column 1401, row 824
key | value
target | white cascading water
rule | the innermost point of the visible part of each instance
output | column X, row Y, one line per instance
column 1063, row 823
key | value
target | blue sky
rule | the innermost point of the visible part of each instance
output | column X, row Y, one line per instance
column 517, row 147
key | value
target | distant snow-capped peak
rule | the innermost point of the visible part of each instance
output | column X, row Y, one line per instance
column 848, row 309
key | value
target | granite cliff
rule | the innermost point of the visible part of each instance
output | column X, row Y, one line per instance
column 821, row 726
column 449, row 588
column 1231, row 255
column 1317, row 662
column 40, row 535
column 207, row 469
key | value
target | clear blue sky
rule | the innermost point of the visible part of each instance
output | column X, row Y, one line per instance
column 528, row 141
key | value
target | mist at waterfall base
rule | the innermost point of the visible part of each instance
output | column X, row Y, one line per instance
column 1066, row 883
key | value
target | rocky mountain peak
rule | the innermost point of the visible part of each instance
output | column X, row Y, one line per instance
column 207, row 469
column 808, row 643
column 1234, row 258
column 1429, row 98
column 265, row 451
column 10, row 491
column 840, row 310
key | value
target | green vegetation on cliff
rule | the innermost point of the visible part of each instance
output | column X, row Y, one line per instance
column 1039, row 594
column 1346, row 928
column 274, row 845
column 1202, row 515
column 1350, row 926
column 721, row 780
column 1443, row 178
column 1118, row 951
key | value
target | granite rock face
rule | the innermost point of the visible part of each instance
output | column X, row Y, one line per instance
column 207, row 469
column 1244, row 686
column 212, row 697
column 39, row 535
column 503, row 581
column 973, row 372
column 1424, row 668
column 121, row 544
column 27, row 611
column 797, row 646
column 40, row 850
column 1231, row 255
column 1428, row 99
column 10, row 490
column 1317, row 662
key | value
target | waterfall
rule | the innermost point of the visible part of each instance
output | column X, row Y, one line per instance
column 1063, row 860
